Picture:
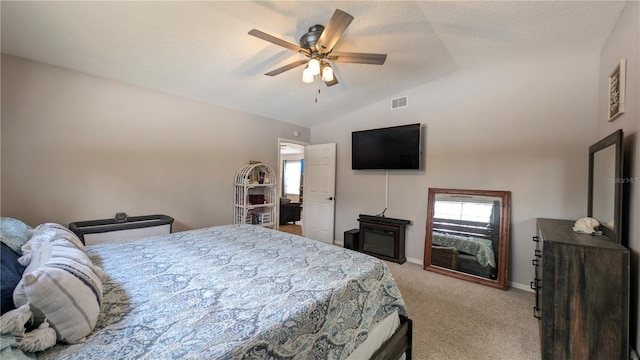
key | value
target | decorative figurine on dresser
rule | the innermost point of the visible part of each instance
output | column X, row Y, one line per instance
column 582, row 269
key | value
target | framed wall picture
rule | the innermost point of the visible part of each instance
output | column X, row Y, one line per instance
column 616, row 90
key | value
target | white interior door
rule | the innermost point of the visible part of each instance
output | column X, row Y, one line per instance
column 319, row 191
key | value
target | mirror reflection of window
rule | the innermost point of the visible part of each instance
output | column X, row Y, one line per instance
column 292, row 172
column 466, row 211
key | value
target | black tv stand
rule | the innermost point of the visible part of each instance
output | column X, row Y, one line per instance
column 383, row 219
column 382, row 237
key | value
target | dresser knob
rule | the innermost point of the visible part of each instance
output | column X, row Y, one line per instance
column 535, row 312
column 535, row 285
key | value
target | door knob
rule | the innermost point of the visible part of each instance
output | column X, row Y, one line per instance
column 330, row 198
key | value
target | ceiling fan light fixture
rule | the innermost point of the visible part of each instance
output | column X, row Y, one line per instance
column 307, row 76
column 314, row 66
column 317, row 47
column 327, row 73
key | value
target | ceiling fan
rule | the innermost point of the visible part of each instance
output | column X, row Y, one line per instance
column 317, row 45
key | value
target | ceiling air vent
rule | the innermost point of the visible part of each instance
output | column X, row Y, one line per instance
column 399, row 103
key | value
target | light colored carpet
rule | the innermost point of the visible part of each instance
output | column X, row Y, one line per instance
column 457, row 319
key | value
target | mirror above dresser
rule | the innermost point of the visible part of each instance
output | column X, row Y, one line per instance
column 605, row 185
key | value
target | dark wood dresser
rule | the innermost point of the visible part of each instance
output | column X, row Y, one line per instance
column 582, row 293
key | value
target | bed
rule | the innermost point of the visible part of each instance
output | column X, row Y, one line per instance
column 241, row 292
column 465, row 246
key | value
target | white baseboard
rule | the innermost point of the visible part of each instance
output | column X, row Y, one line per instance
column 519, row 286
column 512, row 284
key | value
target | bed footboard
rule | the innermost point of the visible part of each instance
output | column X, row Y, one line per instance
column 399, row 343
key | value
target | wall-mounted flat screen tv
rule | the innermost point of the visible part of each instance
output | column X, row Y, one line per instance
column 390, row 148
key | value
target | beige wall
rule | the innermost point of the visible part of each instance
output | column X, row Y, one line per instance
column 525, row 128
column 624, row 42
column 78, row 147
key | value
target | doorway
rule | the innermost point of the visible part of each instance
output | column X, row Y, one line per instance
column 291, row 188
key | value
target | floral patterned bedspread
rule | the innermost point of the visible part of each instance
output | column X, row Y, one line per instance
column 234, row 292
column 481, row 248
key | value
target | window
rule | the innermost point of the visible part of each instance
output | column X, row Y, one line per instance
column 467, row 211
column 291, row 182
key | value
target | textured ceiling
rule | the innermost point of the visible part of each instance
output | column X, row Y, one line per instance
column 201, row 50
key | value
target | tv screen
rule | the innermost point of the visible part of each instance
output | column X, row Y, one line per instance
column 391, row 148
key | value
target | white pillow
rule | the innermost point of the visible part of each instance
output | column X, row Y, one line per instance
column 35, row 254
column 34, row 260
column 60, row 283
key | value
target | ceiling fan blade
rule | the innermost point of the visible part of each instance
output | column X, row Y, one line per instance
column 358, row 58
column 286, row 67
column 274, row 40
column 332, row 82
column 334, row 29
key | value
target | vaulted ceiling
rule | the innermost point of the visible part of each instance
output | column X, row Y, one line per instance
column 201, row 50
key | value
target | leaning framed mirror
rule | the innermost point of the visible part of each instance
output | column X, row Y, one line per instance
column 467, row 234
